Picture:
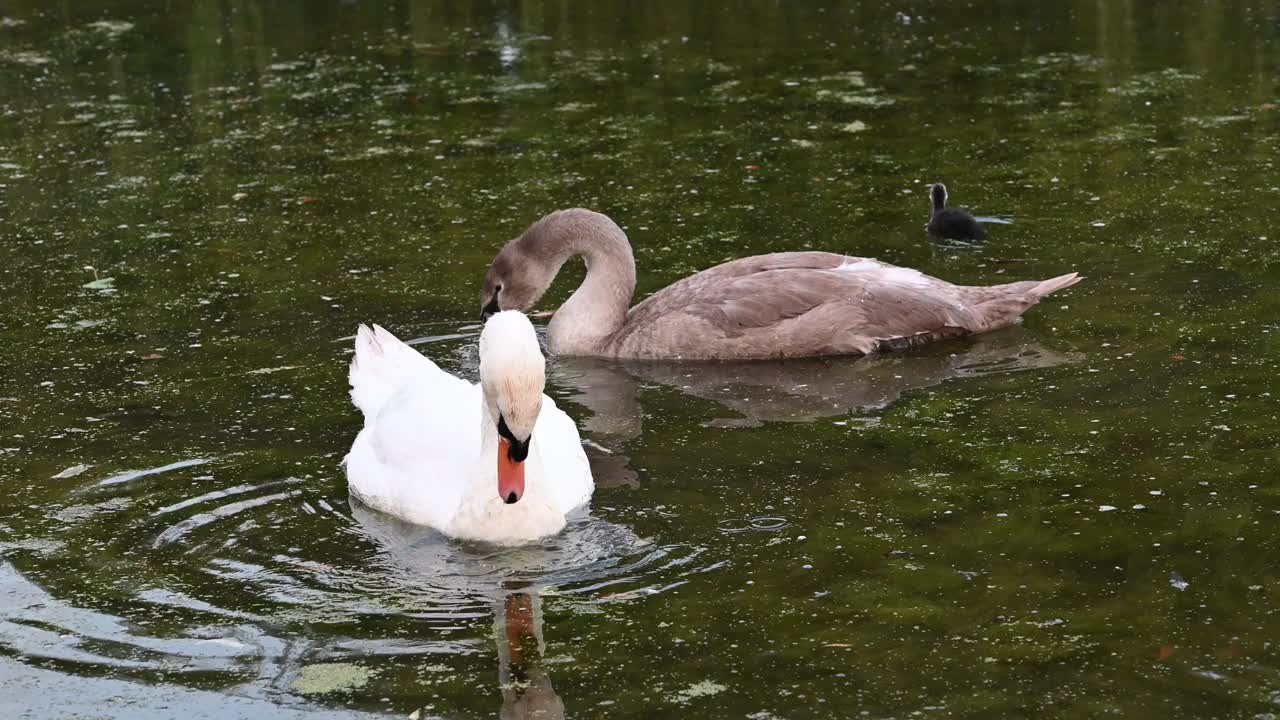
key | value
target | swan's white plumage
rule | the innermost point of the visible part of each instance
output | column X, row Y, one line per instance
column 428, row 450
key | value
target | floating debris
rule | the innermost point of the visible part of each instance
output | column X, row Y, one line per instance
column 113, row 28
column 99, row 283
column 330, row 677
column 79, row 513
column 701, row 689
column 26, row 57
column 72, row 471
column 852, row 98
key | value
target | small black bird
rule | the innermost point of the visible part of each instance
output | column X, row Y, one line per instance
column 951, row 223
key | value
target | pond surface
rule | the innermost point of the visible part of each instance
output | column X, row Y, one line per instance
column 1075, row 517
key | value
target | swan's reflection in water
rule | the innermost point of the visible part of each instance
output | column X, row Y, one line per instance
column 527, row 693
column 463, row 579
column 791, row 390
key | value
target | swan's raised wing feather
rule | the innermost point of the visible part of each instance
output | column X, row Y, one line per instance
column 383, row 365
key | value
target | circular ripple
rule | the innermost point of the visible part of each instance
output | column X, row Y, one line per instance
column 757, row 524
column 199, row 576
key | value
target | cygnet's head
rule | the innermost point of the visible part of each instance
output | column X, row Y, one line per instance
column 516, row 280
column 525, row 267
column 937, row 196
column 512, row 377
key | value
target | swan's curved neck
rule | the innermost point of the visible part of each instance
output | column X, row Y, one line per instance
column 586, row 322
column 488, row 438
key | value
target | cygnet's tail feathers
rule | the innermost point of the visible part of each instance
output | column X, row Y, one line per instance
column 1044, row 287
column 382, row 364
column 999, row 305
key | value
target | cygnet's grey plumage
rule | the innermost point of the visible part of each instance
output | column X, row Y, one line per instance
column 789, row 304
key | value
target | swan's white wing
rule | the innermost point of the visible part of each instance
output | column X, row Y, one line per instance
column 383, row 364
column 568, row 474
column 421, row 433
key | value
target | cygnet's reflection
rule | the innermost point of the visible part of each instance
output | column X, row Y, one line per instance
column 792, row 390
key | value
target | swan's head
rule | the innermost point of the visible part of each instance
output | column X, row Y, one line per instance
column 519, row 275
column 937, row 196
column 512, row 377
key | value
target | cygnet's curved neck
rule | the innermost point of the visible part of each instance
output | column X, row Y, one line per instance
column 938, row 197
column 586, row 322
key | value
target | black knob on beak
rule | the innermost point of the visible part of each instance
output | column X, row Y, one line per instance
column 489, row 310
column 511, row 498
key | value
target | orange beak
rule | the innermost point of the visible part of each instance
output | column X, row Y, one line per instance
column 510, row 474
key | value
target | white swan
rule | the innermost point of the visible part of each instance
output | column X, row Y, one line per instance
column 496, row 461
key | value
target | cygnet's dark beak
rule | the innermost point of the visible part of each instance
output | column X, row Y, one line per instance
column 489, row 310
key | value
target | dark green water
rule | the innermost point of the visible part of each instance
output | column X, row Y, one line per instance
column 929, row 541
